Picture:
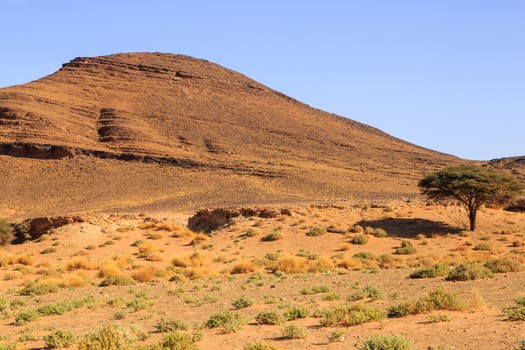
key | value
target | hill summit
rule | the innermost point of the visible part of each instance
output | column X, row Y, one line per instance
column 153, row 131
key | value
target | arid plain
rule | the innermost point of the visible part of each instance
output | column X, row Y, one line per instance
column 316, row 236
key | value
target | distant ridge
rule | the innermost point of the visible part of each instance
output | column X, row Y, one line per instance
column 158, row 131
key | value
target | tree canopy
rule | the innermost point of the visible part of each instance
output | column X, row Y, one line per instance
column 472, row 186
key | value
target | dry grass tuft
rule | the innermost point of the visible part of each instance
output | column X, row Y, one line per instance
column 199, row 238
column 292, row 264
column 321, row 264
column 109, row 269
column 144, row 274
column 79, row 263
column 244, row 266
column 351, row 264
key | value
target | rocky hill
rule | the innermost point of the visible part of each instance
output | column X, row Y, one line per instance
column 152, row 131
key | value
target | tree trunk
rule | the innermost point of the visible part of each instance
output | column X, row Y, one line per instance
column 472, row 218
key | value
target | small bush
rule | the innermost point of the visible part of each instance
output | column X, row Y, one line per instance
column 269, row 318
column 371, row 292
column 294, row 332
column 230, row 321
column 316, row 231
column 242, row 303
column 469, row 271
column 336, row 336
column 295, row 312
column 108, row 337
column 49, row 250
column 436, row 270
column 503, row 265
column 315, row 289
column 139, row 303
column 379, row 232
column 350, row 315
column 360, row 239
column 243, row 267
column 144, row 274
column 38, row 288
column 120, row 280
column 59, row 339
column 259, row 345
column 482, row 246
column 292, row 264
column 176, row 340
column 364, row 255
column 438, row 318
column 387, row 342
column 274, row 236
column 25, row 317
column 438, row 299
column 168, row 325
column 406, row 248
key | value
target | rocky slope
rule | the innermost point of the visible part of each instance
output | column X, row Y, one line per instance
column 155, row 131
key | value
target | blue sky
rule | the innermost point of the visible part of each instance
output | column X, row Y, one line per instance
column 444, row 74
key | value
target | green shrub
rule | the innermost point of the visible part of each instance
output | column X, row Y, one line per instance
column 38, row 288
column 438, row 318
column 387, row 342
column 49, row 250
column 364, row 255
column 379, row 232
column 59, row 339
column 293, row 331
column 295, row 312
column 315, row 289
column 516, row 313
column 503, row 265
column 54, row 309
column 371, row 292
column 350, row 315
column 259, row 345
column 6, row 233
column 482, row 246
column 359, row 239
column 119, row 280
column 336, row 336
column 316, row 231
column 139, row 303
column 269, row 318
column 274, row 236
column 167, row 325
column 230, row 321
column 436, row 270
column 176, row 340
column 469, row 271
column 107, row 337
column 406, row 248
column 25, row 317
column 438, row 299
column 242, row 302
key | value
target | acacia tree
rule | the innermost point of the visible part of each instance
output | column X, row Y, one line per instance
column 472, row 186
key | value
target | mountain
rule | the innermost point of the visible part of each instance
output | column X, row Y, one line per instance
column 153, row 131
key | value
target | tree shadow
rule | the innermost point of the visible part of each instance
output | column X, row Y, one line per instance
column 411, row 227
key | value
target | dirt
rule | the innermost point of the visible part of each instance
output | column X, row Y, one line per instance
column 437, row 233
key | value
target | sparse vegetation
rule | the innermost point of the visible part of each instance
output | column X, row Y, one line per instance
column 360, row 239
column 316, row 231
column 469, row 271
column 59, row 339
column 406, row 248
column 387, row 342
column 269, row 318
column 168, row 325
column 259, row 345
column 273, row 236
column 242, row 303
column 350, row 315
column 436, row 270
column 107, row 337
column 230, row 322
column 293, row 331
column 438, row 299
